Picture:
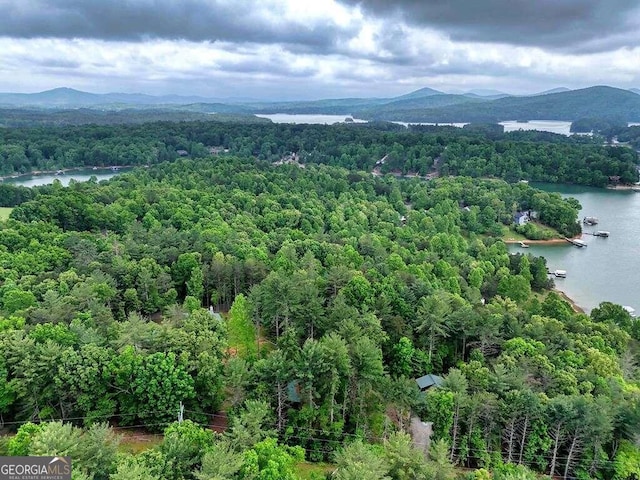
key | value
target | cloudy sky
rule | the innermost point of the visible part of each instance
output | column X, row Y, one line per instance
column 306, row 49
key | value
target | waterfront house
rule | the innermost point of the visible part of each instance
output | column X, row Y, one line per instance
column 521, row 218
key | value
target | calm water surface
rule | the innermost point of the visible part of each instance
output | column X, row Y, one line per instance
column 553, row 126
column 48, row 178
column 316, row 119
column 608, row 269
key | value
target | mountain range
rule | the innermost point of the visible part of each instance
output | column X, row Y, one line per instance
column 69, row 97
column 423, row 105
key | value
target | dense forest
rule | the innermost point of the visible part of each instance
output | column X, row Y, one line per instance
column 301, row 301
column 477, row 151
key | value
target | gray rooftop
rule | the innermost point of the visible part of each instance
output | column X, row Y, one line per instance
column 429, row 381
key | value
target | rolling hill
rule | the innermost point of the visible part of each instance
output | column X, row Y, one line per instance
column 598, row 102
column 423, row 105
column 69, row 97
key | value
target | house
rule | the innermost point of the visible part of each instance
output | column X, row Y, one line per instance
column 215, row 314
column 614, row 178
column 217, row 150
column 290, row 159
column 427, row 381
column 521, row 218
column 182, row 153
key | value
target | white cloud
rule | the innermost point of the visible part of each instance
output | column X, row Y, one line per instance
column 333, row 50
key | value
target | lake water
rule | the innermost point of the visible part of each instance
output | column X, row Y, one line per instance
column 608, row 269
column 315, row 119
column 441, row 124
column 48, row 178
column 553, row 126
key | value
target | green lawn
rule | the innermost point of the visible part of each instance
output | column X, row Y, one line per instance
column 4, row 213
column 510, row 234
column 311, row 471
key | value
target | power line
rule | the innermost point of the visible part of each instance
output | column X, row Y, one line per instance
column 342, row 435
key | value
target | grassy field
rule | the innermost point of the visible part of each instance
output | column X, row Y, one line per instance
column 311, row 471
column 137, row 441
column 509, row 234
column 4, row 213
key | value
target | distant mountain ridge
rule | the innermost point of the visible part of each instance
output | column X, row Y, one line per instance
column 553, row 90
column 423, row 105
column 592, row 102
column 64, row 96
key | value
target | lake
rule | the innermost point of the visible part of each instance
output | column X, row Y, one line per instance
column 315, row 119
column 553, row 126
column 608, row 269
column 48, row 178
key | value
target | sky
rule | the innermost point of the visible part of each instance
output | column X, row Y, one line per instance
column 311, row 49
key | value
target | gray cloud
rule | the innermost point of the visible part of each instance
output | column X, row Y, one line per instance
column 579, row 26
column 268, row 66
column 139, row 20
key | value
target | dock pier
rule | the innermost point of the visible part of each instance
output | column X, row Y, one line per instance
column 577, row 242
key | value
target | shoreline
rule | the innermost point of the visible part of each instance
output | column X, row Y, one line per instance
column 622, row 188
column 551, row 241
column 576, row 308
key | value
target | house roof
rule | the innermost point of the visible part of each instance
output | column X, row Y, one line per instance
column 429, row 381
column 293, row 391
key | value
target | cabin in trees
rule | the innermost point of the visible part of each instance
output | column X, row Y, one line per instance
column 428, row 381
column 217, row 150
column 294, row 391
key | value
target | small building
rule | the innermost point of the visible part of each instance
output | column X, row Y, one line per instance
column 217, row 150
column 293, row 391
column 427, row 381
column 214, row 314
column 182, row 153
column 614, row 178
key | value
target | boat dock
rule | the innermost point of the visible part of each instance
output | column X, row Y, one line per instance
column 576, row 241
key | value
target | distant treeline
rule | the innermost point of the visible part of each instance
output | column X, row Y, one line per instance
column 476, row 151
column 610, row 129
